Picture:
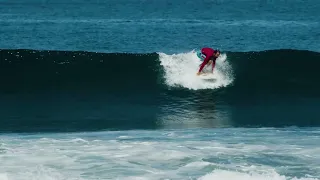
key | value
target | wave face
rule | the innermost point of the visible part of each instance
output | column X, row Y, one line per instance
column 28, row 70
column 275, row 71
column 60, row 90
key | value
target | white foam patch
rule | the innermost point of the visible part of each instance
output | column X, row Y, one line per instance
column 223, row 175
column 168, row 154
column 37, row 173
column 3, row 177
column 180, row 71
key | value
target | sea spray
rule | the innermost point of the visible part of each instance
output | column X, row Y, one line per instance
column 180, row 71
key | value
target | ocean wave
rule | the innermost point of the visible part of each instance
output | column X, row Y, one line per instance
column 75, row 91
column 273, row 71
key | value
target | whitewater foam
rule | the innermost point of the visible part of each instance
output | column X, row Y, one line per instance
column 223, row 174
column 180, row 71
column 202, row 154
column 3, row 177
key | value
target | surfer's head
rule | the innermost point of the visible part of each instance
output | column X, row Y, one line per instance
column 216, row 53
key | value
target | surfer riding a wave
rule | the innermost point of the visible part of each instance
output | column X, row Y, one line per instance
column 209, row 56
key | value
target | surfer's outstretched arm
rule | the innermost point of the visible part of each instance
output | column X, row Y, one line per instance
column 213, row 65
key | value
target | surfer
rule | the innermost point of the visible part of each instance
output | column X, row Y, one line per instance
column 210, row 58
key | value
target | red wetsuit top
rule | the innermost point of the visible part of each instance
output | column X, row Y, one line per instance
column 209, row 52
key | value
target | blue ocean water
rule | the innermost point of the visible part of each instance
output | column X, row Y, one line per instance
column 160, row 26
column 107, row 90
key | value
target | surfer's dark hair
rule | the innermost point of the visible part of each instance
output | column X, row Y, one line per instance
column 217, row 51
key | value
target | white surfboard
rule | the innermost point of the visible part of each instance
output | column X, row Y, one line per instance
column 207, row 76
